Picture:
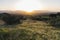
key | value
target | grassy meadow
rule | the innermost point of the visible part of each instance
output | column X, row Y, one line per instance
column 32, row 30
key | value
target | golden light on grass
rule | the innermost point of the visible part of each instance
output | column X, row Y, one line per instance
column 28, row 5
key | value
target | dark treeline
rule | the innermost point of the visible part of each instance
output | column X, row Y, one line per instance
column 11, row 18
column 53, row 18
column 51, row 15
column 16, row 19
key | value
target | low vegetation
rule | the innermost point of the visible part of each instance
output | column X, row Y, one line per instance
column 30, row 28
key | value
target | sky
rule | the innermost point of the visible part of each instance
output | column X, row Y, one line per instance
column 53, row 5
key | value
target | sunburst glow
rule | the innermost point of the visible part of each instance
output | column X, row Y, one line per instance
column 28, row 5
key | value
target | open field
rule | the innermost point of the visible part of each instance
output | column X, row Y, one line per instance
column 31, row 29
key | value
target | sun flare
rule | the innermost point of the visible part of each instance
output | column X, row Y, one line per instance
column 28, row 5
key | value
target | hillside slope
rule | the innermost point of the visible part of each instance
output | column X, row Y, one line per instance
column 29, row 30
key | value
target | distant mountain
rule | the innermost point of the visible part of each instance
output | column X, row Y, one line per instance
column 12, row 12
column 5, row 11
column 43, row 12
column 35, row 12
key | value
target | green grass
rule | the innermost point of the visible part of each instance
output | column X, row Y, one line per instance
column 29, row 30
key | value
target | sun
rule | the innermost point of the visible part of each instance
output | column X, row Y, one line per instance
column 28, row 5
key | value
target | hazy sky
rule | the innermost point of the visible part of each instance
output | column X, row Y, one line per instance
column 47, row 4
